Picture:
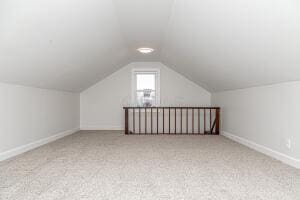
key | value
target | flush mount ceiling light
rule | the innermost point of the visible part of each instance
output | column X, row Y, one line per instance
column 145, row 50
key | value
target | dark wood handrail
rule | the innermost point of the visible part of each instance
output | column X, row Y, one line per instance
column 197, row 123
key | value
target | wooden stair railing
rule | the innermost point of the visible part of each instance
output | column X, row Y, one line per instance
column 171, row 120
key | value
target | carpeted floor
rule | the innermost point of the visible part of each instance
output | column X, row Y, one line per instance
column 109, row 165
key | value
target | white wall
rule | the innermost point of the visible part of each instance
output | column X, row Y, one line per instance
column 101, row 105
column 265, row 115
column 29, row 116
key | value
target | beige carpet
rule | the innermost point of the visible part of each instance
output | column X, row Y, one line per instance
column 110, row 165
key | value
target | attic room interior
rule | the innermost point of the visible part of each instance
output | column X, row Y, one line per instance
column 149, row 99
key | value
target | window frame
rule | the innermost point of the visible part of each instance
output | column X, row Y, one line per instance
column 134, row 84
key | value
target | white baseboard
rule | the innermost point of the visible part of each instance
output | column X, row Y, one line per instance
column 265, row 150
column 102, row 128
column 27, row 147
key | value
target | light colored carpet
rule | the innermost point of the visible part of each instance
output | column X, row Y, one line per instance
column 109, row 165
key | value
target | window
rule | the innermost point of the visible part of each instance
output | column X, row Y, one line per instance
column 145, row 87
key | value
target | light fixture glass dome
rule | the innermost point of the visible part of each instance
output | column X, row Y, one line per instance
column 145, row 50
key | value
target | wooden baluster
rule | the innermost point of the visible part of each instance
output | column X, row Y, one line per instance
column 151, row 120
column 126, row 121
column 163, row 120
column 180, row 120
column 157, row 120
column 145, row 120
column 204, row 121
column 187, row 121
column 169, row 120
column 175, row 120
column 193, row 120
column 133, row 120
column 198, row 121
column 139, row 120
column 210, row 128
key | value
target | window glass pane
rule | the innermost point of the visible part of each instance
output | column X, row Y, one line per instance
column 145, row 98
column 145, row 81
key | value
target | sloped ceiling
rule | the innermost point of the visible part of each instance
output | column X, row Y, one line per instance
column 230, row 44
column 60, row 44
column 221, row 45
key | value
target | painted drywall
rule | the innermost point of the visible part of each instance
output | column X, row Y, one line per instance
column 30, row 114
column 267, row 115
column 60, row 44
column 225, row 45
column 101, row 105
column 221, row 45
column 144, row 23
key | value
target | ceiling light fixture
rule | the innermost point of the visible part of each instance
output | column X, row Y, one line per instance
column 145, row 50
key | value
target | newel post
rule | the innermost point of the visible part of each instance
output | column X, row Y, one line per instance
column 126, row 121
column 218, row 121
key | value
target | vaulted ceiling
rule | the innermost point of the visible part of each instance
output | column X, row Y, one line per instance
column 221, row 45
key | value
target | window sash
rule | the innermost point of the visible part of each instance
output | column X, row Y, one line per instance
column 156, row 91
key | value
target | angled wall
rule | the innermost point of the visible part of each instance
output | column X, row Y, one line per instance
column 265, row 118
column 101, row 105
column 30, row 117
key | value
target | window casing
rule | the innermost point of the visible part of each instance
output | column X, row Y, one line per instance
column 146, row 87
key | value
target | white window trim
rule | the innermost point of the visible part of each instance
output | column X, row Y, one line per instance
column 133, row 83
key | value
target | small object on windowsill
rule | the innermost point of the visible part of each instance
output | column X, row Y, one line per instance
column 147, row 104
column 147, row 101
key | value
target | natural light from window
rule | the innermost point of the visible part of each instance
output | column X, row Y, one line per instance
column 145, row 88
column 145, row 81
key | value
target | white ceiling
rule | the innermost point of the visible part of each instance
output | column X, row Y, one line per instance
column 143, row 23
column 60, row 44
column 230, row 44
column 221, row 45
